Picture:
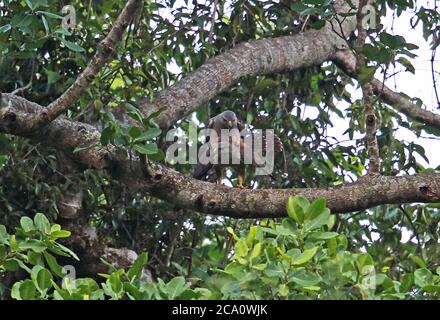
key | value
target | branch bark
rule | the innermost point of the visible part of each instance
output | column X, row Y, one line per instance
column 188, row 193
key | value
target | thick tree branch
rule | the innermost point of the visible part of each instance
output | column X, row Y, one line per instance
column 101, row 57
column 347, row 62
column 264, row 56
column 308, row 48
column 188, row 193
column 367, row 94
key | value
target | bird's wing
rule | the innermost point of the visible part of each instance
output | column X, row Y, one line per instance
column 201, row 170
column 269, row 141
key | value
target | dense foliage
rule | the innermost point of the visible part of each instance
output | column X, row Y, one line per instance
column 297, row 258
column 308, row 255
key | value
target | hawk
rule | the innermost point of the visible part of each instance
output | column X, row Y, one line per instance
column 237, row 146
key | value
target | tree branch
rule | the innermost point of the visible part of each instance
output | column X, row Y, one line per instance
column 101, row 57
column 367, row 95
column 308, row 48
column 347, row 62
column 264, row 56
column 188, row 193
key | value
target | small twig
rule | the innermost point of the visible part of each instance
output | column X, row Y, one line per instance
column 211, row 31
column 145, row 166
column 433, row 78
column 413, row 227
column 175, row 232
column 368, row 94
column 102, row 55
column 305, row 23
column 29, row 84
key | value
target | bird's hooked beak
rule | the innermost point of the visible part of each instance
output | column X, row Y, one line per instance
column 229, row 124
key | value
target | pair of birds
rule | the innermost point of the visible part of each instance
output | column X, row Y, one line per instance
column 228, row 120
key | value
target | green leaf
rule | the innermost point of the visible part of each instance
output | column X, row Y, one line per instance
column 296, row 207
column 260, row 266
column 3, row 234
column 23, row 290
column 135, row 270
column 63, row 32
column 241, row 248
column 148, row 135
column 274, row 270
column 430, row 288
column 256, row 251
column 331, row 221
column 35, row 258
column 118, row 82
column 283, row 290
column 13, row 242
column 306, row 256
column 107, row 135
column 148, row 148
column 332, row 245
column 66, row 250
column 298, row 7
column 52, row 76
column 323, row 235
column 231, row 231
column 369, row 51
column 10, row 265
column 115, row 282
column 303, row 278
column 60, row 234
column 315, row 209
column 367, row 74
column 406, row 282
column 42, row 223
column 42, row 277
column 175, row 287
column 30, row 4
column 407, row 64
column 251, row 236
column 392, row 41
column 364, row 259
column 342, row 241
column 21, row 21
column 423, row 277
column 159, row 156
column 71, row 45
column 34, row 245
column 5, row 28
column 318, row 24
column 317, row 222
column 27, row 224
column 155, row 114
column 50, row 15
column 133, row 112
column 417, row 260
column 134, row 132
column 45, row 24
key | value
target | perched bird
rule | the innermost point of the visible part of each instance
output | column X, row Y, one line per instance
column 237, row 145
